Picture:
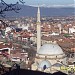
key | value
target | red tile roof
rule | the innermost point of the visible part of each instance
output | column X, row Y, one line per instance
column 3, row 45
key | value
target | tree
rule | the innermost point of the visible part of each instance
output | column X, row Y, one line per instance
column 4, row 7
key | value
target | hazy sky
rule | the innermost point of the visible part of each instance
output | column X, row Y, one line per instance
column 46, row 2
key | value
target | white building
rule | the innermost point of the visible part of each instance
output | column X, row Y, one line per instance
column 23, row 26
column 71, row 30
column 54, row 33
column 47, row 55
column 8, row 29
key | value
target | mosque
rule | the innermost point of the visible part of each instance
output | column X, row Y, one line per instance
column 49, row 57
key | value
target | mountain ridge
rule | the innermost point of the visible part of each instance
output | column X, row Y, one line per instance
column 30, row 11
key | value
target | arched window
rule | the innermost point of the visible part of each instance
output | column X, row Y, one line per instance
column 44, row 67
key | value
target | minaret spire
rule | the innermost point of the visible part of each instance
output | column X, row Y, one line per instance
column 38, row 29
column 38, row 15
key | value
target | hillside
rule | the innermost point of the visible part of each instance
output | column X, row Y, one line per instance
column 31, row 11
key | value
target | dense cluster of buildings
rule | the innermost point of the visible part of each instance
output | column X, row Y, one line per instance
column 45, row 44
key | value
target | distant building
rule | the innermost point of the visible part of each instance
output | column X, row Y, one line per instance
column 71, row 30
column 8, row 29
column 5, row 49
column 54, row 33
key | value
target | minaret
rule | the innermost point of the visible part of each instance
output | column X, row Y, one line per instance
column 38, row 30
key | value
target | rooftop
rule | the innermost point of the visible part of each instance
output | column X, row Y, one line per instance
column 50, row 49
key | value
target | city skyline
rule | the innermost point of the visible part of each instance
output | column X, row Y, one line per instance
column 46, row 3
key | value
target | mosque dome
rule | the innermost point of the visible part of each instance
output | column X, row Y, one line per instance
column 45, row 63
column 50, row 49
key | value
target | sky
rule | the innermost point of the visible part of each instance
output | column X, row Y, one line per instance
column 44, row 3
